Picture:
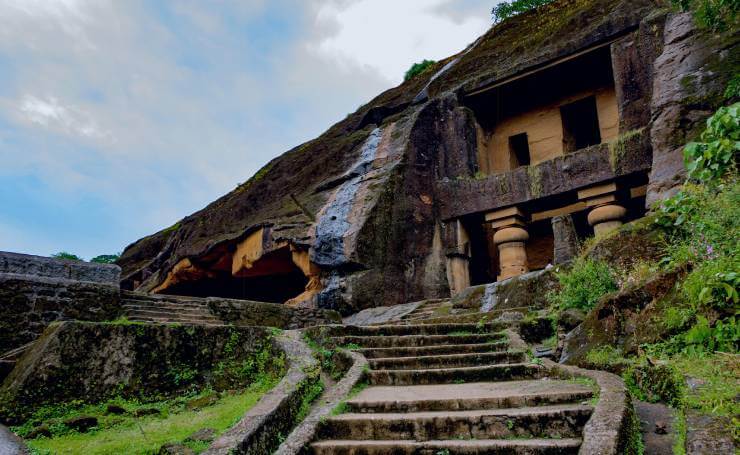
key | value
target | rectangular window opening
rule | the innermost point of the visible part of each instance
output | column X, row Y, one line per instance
column 519, row 150
column 580, row 124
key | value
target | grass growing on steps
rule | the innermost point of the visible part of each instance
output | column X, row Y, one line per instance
column 145, row 435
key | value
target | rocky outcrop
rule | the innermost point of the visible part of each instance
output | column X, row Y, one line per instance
column 36, row 291
column 93, row 362
column 359, row 216
column 690, row 79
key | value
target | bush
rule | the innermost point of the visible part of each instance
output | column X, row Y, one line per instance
column 418, row 68
column 505, row 10
column 67, row 256
column 106, row 258
column 716, row 154
column 583, row 285
column 654, row 383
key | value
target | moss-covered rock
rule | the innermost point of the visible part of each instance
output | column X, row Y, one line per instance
column 96, row 361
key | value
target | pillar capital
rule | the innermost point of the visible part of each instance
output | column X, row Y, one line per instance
column 510, row 238
column 606, row 212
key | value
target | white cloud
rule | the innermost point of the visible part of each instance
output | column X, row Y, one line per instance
column 162, row 113
column 390, row 36
column 68, row 119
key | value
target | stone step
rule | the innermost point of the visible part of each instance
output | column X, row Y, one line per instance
column 447, row 361
column 418, row 340
column 559, row 421
column 156, row 313
column 376, row 353
column 169, row 305
column 415, row 329
column 456, row 447
column 502, row 372
column 468, row 396
column 174, row 321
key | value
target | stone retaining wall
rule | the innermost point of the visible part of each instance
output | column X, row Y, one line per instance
column 36, row 291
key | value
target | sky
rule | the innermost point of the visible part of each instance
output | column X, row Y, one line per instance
column 118, row 118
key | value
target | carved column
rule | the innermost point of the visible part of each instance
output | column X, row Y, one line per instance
column 510, row 238
column 606, row 213
column 457, row 252
column 565, row 239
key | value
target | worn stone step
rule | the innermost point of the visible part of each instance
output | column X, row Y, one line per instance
column 471, row 447
column 415, row 329
column 168, row 305
column 171, row 313
column 558, row 421
column 502, row 372
column 468, row 396
column 376, row 353
column 447, row 361
column 174, row 321
column 172, row 317
column 418, row 340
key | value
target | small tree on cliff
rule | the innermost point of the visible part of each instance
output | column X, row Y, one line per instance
column 67, row 256
column 418, row 68
column 505, row 10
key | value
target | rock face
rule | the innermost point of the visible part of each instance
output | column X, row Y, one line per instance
column 93, row 362
column 361, row 216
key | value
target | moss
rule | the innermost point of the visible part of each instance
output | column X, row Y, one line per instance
column 619, row 146
column 535, row 181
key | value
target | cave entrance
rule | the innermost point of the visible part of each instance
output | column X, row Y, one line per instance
column 275, row 276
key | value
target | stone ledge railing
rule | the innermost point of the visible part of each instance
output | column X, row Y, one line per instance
column 611, row 427
column 298, row 441
column 258, row 432
column 38, row 266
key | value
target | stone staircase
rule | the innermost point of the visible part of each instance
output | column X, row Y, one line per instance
column 167, row 309
column 446, row 388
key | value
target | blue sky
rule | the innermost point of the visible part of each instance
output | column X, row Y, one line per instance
column 118, row 118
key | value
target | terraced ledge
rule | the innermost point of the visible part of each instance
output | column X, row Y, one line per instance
column 258, row 432
column 299, row 440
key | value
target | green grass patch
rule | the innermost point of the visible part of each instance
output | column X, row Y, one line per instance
column 127, row 434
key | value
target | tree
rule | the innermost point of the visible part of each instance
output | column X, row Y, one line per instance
column 106, row 258
column 67, row 256
column 505, row 10
column 418, row 68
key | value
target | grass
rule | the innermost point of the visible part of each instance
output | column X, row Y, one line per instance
column 720, row 382
column 145, row 435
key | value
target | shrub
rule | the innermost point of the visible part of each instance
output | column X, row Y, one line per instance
column 106, row 258
column 67, row 256
column 505, row 10
column 654, row 383
column 717, row 152
column 418, row 68
column 583, row 285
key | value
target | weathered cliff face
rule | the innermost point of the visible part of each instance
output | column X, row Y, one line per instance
column 356, row 218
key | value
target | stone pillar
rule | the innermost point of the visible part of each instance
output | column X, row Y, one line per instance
column 510, row 238
column 457, row 252
column 606, row 214
column 565, row 239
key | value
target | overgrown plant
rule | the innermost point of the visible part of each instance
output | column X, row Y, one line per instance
column 583, row 285
column 505, row 10
column 716, row 154
column 418, row 68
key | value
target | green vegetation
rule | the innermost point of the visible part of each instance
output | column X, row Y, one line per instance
column 128, row 434
column 717, row 15
column 106, row 258
column 583, row 285
column 418, row 68
column 505, row 10
column 67, row 256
